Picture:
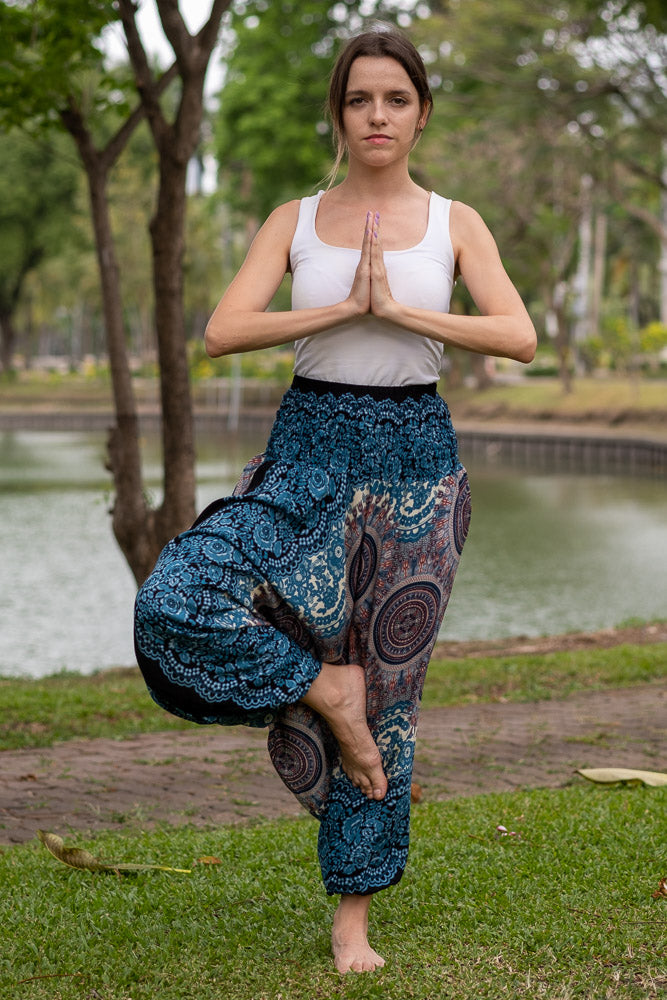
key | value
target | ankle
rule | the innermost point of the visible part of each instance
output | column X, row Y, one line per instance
column 352, row 912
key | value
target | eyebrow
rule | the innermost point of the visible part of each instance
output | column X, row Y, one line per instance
column 389, row 93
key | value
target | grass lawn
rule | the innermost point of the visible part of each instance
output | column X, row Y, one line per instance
column 562, row 910
column 115, row 703
column 539, row 397
column 531, row 397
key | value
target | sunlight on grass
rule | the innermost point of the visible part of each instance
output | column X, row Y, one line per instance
column 562, row 907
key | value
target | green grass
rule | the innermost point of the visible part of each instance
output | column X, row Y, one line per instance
column 114, row 703
column 562, row 910
column 530, row 677
column 597, row 398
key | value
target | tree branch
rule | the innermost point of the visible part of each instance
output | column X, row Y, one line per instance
column 117, row 143
column 143, row 76
column 177, row 33
column 654, row 177
column 74, row 122
column 192, row 53
column 208, row 33
column 651, row 220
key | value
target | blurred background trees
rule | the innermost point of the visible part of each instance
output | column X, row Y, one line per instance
column 549, row 118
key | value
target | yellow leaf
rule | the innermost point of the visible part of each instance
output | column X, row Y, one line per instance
column 612, row 775
column 78, row 857
column 209, row 860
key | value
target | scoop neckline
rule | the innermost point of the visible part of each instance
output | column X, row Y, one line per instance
column 333, row 246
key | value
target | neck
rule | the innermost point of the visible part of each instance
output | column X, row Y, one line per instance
column 377, row 185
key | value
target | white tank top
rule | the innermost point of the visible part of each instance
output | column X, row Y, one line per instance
column 371, row 351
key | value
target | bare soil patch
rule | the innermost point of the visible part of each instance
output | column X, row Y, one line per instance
column 602, row 639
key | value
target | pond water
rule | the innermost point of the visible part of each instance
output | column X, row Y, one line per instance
column 546, row 553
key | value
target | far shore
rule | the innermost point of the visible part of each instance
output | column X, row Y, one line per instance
column 547, row 443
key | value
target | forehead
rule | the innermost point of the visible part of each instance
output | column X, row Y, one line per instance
column 378, row 72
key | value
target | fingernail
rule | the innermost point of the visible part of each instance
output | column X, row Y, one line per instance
column 377, row 216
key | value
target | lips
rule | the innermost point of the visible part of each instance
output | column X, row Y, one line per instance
column 378, row 140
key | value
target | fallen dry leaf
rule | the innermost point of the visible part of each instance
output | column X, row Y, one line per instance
column 612, row 775
column 78, row 857
column 661, row 891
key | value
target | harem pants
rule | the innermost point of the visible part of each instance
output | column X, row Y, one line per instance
column 340, row 543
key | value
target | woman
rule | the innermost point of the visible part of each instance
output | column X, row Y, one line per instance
column 310, row 600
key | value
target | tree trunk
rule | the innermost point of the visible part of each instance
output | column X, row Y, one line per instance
column 167, row 235
column 563, row 349
column 133, row 522
column 599, row 261
column 481, row 372
column 662, row 266
column 7, row 342
column 562, row 335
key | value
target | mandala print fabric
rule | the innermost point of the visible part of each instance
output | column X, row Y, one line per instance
column 340, row 543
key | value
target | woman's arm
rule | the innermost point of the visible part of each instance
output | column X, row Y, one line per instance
column 240, row 322
column 504, row 329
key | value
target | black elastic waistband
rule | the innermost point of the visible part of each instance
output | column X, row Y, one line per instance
column 397, row 393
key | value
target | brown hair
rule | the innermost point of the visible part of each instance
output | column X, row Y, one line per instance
column 380, row 43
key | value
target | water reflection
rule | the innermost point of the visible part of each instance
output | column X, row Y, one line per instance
column 546, row 552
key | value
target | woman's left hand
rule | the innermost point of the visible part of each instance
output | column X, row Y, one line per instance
column 382, row 300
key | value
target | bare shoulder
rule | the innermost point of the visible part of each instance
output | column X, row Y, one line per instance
column 467, row 224
column 283, row 220
column 274, row 239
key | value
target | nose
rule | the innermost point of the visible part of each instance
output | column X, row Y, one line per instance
column 378, row 112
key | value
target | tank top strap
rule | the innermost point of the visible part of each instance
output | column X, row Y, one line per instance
column 438, row 238
column 305, row 226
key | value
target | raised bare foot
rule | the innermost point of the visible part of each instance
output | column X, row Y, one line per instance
column 338, row 693
column 349, row 937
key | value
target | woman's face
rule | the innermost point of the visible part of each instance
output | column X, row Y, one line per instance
column 381, row 112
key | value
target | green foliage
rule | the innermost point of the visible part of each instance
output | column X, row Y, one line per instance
column 498, row 138
column 560, row 907
column 273, row 364
column 48, row 49
column 653, row 338
column 272, row 139
column 619, row 340
column 38, row 186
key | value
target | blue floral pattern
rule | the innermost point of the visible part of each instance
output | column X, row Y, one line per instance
column 340, row 543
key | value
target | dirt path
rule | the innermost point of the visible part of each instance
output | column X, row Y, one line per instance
column 214, row 775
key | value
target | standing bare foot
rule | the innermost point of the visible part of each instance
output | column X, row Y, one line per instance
column 349, row 936
column 338, row 693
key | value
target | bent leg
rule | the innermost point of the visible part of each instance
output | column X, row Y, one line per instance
column 206, row 652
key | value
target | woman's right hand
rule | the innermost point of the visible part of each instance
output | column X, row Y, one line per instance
column 360, row 293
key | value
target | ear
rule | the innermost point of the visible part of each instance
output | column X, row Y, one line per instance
column 424, row 116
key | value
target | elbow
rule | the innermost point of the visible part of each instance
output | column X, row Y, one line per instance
column 214, row 342
column 526, row 346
